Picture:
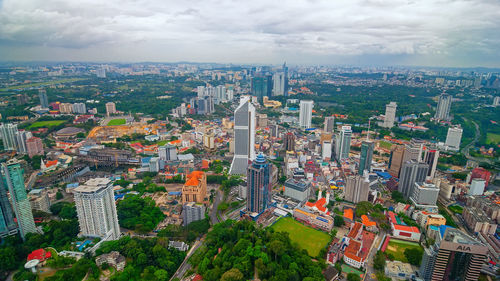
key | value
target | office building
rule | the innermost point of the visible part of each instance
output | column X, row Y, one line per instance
column 44, row 101
column 279, row 84
column 110, row 108
column 477, row 187
column 366, row 156
column 167, row 152
column 259, row 87
column 192, row 211
column 14, row 178
column 65, row 108
column 396, row 160
column 453, row 138
column 154, row 164
column 79, row 108
column 411, row 172
column 22, row 137
column 289, row 141
column 7, row 224
column 356, row 189
column 454, row 256
column 443, row 107
column 9, row 132
column 39, row 200
column 305, row 114
column 259, row 185
column 274, row 130
column 101, row 72
column 424, row 195
column 390, row 115
column 297, row 189
column 326, row 150
column 414, row 150
column 195, row 187
column 244, row 137
column 96, row 209
column 431, row 158
column 496, row 101
column 343, row 143
column 329, row 126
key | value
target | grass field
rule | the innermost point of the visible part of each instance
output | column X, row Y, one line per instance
column 48, row 83
column 384, row 144
column 492, row 138
column 116, row 122
column 308, row 238
column 46, row 124
column 398, row 247
column 456, row 209
column 347, row 269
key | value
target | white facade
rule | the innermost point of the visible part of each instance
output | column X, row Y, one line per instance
column 96, row 209
column 343, row 143
column 110, row 108
column 454, row 138
column 443, row 107
column 390, row 115
column 279, row 84
column 326, row 150
column 305, row 115
column 66, row 108
column 8, row 133
column 477, row 187
column 79, row 108
column 244, row 136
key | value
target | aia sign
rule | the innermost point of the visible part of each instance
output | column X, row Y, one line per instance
column 463, row 248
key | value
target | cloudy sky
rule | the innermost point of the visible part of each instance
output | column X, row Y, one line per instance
column 362, row 32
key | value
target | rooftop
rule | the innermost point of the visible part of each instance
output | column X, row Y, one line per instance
column 456, row 236
column 93, row 185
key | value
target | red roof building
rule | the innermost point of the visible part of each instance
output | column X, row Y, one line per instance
column 480, row 173
column 40, row 255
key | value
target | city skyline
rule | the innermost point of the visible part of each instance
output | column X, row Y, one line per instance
column 346, row 32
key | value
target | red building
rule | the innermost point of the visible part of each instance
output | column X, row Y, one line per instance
column 40, row 255
column 480, row 173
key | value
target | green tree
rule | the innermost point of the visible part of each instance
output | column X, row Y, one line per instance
column 59, row 195
column 338, row 221
column 161, row 274
column 379, row 261
column 414, row 255
column 353, row 277
column 232, row 275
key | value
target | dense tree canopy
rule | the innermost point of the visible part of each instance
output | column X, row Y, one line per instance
column 140, row 214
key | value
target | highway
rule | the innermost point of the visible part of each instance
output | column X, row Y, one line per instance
column 466, row 149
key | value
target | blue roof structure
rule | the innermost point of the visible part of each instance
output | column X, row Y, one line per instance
column 442, row 229
column 384, row 175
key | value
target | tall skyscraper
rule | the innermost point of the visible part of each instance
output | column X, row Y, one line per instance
column 285, row 73
column 289, row 141
column 390, row 115
column 244, row 137
column 305, row 115
column 259, row 87
column 424, row 195
column 167, row 152
column 356, row 189
column 14, row 178
column 79, row 108
column 96, row 209
column 9, row 132
column 279, row 84
column 396, row 160
column 7, row 224
column 366, row 156
column 110, row 108
column 220, row 93
column 329, row 124
column 44, row 101
column 22, row 137
column 326, row 149
column 411, row 172
column 414, row 150
column 259, row 185
column 431, row 157
column 455, row 256
column 443, row 107
column 343, row 143
column 454, row 138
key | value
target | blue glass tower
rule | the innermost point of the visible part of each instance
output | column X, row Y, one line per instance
column 259, row 185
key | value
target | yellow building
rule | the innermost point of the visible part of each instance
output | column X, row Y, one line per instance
column 195, row 188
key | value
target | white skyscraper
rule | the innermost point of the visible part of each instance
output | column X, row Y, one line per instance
column 454, row 138
column 220, row 94
column 8, row 133
column 96, row 209
column 244, row 136
column 343, row 143
column 279, row 84
column 110, row 108
column 79, row 108
column 390, row 115
column 443, row 107
column 305, row 115
column 329, row 124
column 496, row 101
column 326, row 150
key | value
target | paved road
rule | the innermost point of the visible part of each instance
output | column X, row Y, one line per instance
column 466, row 149
column 214, row 211
column 185, row 266
column 370, row 271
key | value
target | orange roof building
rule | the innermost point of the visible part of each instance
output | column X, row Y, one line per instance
column 367, row 222
column 349, row 214
column 195, row 188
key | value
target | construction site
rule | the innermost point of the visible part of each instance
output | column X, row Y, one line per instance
column 110, row 133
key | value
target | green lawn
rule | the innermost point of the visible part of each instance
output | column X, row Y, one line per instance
column 48, row 83
column 397, row 247
column 162, row 142
column 308, row 238
column 42, row 124
column 384, row 144
column 492, row 138
column 348, row 269
column 456, row 209
column 116, row 122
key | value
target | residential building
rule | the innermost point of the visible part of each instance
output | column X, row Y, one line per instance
column 113, row 258
column 65, row 108
column 329, row 126
column 167, row 152
column 110, row 108
column 22, row 137
column 220, row 94
column 35, row 146
column 396, row 160
column 496, row 101
column 453, row 138
column 179, row 245
column 274, row 130
column 326, row 150
column 411, row 172
column 366, row 156
column 431, row 158
column 297, row 189
column 356, row 189
column 39, row 200
column 244, row 137
column 490, row 208
column 96, row 209
column 14, row 177
column 7, row 224
column 478, row 221
column 259, row 185
column 390, row 115
column 195, row 188
column 424, row 195
column 477, row 186
column 454, row 256
column 343, row 143
column 44, row 101
column 305, row 114
column 79, row 108
column 8, row 132
column 192, row 211
column 289, row 141
column 443, row 107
